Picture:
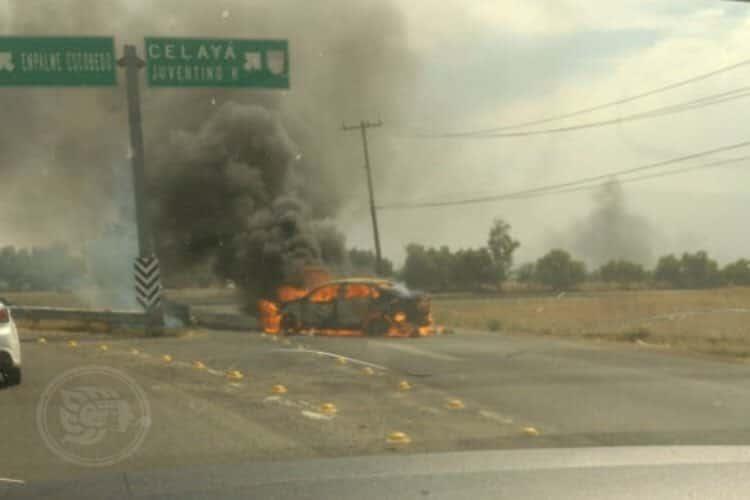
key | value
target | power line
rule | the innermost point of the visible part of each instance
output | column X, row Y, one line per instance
column 605, row 105
column 678, row 171
column 589, row 187
column 700, row 102
column 570, row 184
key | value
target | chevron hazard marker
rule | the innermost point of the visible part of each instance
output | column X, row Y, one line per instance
column 147, row 282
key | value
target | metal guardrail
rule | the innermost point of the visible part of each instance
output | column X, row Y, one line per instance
column 107, row 320
column 103, row 319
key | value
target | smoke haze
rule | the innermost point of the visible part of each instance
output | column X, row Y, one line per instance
column 610, row 231
column 240, row 177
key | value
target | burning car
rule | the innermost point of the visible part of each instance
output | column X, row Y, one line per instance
column 366, row 306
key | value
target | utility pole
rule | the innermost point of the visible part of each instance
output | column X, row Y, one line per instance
column 363, row 126
column 148, row 283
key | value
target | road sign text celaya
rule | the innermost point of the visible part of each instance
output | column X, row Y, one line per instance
column 204, row 62
column 217, row 62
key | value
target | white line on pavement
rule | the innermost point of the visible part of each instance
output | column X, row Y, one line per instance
column 416, row 351
column 9, row 480
column 315, row 415
column 334, row 355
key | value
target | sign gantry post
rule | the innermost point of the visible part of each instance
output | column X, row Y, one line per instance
column 146, row 265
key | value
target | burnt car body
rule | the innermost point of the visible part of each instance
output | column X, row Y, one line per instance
column 369, row 306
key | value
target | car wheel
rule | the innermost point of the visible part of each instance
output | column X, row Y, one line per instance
column 12, row 375
column 377, row 327
column 289, row 324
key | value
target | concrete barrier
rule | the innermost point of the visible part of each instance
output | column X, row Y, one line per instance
column 56, row 318
column 104, row 321
column 225, row 321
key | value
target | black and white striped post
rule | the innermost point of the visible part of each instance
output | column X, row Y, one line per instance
column 147, row 280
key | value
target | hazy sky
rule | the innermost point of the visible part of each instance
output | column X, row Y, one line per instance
column 490, row 63
column 447, row 65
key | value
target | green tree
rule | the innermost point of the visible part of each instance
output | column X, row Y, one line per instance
column 694, row 270
column 420, row 268
column 622, row 272
column 699, row 271
column 737, row 273
column 558, row 270
column 474, row 269
column 526, row 272
column 501, row 246
column 363, row 261
column 668, row 270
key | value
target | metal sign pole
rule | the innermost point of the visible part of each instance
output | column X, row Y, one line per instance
column 148, row 283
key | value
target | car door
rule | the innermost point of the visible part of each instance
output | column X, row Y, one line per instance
column 354, row 304
column 320, row 307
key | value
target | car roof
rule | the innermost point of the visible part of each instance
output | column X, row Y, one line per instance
column 359, row 281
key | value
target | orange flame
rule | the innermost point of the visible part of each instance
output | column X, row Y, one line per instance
column 360, row 291
column 399, row 326
column 287, row 293
column 270, row 318
column 325, row 294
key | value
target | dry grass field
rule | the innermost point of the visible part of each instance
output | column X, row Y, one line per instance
column 710, row 321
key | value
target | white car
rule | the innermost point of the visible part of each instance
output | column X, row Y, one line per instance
column 10, row 347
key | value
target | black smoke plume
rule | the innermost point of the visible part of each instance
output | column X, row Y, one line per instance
column 611, row 231
column 245, row 180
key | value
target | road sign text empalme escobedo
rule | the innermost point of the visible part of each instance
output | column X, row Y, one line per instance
column 190, row 62
column 57, row 61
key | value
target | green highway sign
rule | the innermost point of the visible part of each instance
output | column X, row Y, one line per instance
column 58, row 61
column 193, row 62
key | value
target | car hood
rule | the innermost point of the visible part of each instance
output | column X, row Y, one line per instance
column 581, row 473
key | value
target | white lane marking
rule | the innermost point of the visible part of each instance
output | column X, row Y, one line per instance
column 334, row 355
column 418, row 352
column 316, row 416
column 9, row 480
column 495, row 416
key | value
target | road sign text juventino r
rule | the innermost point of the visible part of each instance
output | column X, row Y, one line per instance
column 190, row 62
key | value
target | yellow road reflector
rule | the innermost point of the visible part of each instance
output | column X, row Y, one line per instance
column 328, row 409
column 368, row 371
column 279, row 389
column 404, row 385
column 199, row 365
column 398, row 438
column 166, row 358
column 42, row 340
column 342, row 360
column 235, row 375
column 275, row 338
column 530, row 431
column 103, row 347
column 135, row 351
column 72, row 343
column 455, row 404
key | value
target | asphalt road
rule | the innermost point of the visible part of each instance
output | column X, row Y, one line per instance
column 470, row 390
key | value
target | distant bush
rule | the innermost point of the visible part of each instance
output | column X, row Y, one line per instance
column 737, row 273
column 363, row 261
column 494, row 325
column 622, row 272
column 695, row 270
column 635, row 335
column 525, row 273
column 558, row 270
